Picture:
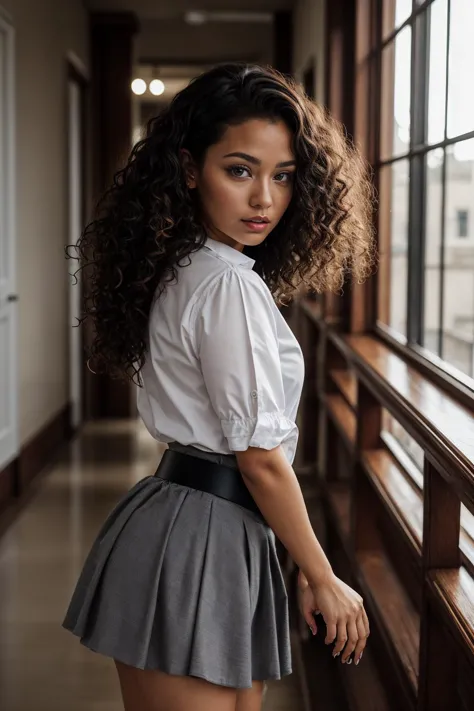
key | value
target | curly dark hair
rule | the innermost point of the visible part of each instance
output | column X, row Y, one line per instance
column 147, row 222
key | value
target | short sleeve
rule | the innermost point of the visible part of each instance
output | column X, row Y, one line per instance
column 236, row 341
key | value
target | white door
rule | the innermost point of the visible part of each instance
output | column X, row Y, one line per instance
column 8, row 296
column 75, row 227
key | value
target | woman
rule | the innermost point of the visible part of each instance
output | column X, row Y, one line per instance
column 242, row 193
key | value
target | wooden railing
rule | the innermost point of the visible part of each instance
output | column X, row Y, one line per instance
column 393, row 531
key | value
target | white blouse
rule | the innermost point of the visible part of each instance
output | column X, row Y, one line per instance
column 224, row 371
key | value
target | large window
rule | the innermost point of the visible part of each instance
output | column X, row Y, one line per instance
column 425, row 58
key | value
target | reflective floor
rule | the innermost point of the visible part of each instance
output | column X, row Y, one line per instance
column 43, row 667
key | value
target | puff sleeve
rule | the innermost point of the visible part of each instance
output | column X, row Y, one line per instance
column 237, row 345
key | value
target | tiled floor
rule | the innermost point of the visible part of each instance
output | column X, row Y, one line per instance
column 43, row 667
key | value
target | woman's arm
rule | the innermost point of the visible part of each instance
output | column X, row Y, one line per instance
column 272, row 482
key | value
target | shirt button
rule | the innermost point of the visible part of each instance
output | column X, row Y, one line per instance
column 254, row 394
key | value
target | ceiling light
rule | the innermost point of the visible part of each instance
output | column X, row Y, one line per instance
column 156, row 87
column 195, row 17
column 138, row 86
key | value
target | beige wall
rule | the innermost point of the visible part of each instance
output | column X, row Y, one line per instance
column 309, row 41
column 45, row 32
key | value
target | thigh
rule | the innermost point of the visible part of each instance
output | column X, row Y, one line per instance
column 150, row 690
column 250, row 699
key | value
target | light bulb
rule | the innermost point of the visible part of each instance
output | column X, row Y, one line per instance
column 156, row 87
column 138, row 86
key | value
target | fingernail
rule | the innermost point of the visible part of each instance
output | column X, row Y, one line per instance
column 349, row 661
column 336, row 655
column 360, row 657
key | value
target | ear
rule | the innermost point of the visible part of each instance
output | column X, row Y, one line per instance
column 189, row 168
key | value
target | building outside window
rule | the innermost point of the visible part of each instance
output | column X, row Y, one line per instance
column 462, row 220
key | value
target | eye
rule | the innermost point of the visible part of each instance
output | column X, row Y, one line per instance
column 287, row 177
column 234, row 170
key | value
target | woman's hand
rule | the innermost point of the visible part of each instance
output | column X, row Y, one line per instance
column 342, row 610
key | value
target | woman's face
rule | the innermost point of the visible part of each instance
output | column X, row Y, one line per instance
column 248, row 174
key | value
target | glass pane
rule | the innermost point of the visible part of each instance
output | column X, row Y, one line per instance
column 393, row 232
column 458, row 292
column 432, row 262
column 399, row 246
column 437, row 70
column 461, row 62
column 396, row 78
column 395, row 12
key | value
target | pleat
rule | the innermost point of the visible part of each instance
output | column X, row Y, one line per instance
column 185, row 582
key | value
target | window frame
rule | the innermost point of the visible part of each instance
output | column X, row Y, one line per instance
column 411, row 347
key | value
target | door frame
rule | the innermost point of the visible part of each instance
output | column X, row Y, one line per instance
column 77, row 73
column 10, row 200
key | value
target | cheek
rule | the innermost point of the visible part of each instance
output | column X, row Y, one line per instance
column 283, row 199
column 219, row 194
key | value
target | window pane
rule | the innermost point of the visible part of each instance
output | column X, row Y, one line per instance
column 395, row 12
column 432, row 262
column 458, row 292
column 393, row 229
column 461, row 62
column 396, row 77
column 437, row 70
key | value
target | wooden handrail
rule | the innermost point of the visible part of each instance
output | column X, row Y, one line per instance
column 453, row 591
column 442, row 427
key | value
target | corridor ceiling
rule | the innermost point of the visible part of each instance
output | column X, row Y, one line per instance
column 158, row 9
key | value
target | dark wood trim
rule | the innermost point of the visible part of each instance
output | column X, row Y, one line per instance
column 111, row 75
column 8, row 479
column 23, row 474
column 83, row 83
column 283, row 41
column 121, row 20
column 36, row 454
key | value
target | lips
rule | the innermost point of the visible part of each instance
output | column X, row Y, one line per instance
column 258, row 220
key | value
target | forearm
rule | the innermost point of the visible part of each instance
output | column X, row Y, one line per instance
column 273, row 484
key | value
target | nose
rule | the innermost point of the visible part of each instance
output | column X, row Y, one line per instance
column 261, row 196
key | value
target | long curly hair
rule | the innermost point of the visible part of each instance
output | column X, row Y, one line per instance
column 147, row 222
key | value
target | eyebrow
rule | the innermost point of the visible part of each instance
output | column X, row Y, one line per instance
column 256, row 161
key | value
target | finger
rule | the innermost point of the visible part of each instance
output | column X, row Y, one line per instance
column 331, row 631
column 360, row 646
column 353, row 638
column 308, row 616
column 341, row 638
column 366, row 622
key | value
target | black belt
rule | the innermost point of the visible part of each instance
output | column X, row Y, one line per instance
column 204, row 475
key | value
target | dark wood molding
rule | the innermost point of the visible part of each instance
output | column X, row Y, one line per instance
column 18, row 482
column 111, row 77
column 36, row 454
column 283, row 41
column 118, row 20
column 8, row 479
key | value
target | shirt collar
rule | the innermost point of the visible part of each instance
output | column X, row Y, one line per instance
column 229, row 254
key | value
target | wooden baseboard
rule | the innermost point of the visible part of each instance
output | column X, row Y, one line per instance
column 17, row 479
column 35, row 455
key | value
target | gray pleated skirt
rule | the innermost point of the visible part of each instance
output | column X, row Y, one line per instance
column 185, row 582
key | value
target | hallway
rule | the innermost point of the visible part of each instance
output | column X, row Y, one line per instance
column 43, row 667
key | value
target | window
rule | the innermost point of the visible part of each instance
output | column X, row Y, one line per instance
column 425, row 173
column 462, row 216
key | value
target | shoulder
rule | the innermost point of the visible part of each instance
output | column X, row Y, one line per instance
column 234, row 294
column 233, row 282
